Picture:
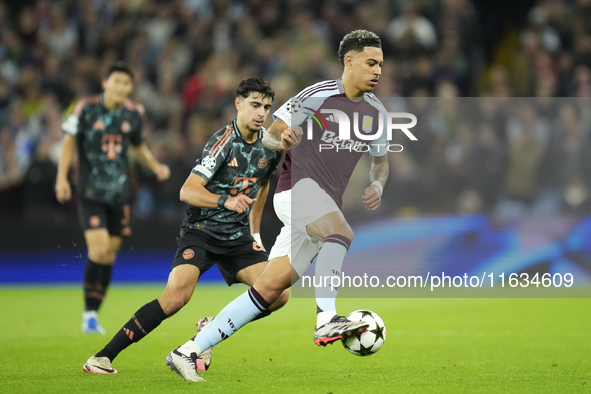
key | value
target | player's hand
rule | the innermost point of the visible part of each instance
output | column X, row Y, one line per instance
column 259, row 241
column 162, row 172
column 291, row 137
column 372, row 198
column 63, row 191
column 239, row 203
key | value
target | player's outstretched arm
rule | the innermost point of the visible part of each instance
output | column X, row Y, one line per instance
column 63, row 191
column 147, row 159
column 194, row 193
column 257, row 211
column 282, row 137
column 378, row 175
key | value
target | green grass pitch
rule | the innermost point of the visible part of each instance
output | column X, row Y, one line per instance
column 432, row 345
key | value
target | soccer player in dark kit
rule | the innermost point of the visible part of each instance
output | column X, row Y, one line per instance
column 308, row 198
column 102, row 128
column 225, row 193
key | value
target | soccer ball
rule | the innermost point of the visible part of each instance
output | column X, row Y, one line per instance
column 294, row 105
column 370, row 341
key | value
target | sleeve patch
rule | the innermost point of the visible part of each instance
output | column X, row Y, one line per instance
column 70, row 126
column 203, row 170
column 208, row 162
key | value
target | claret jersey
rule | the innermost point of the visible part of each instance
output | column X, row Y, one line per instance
column 322, row 156
column 231, row 167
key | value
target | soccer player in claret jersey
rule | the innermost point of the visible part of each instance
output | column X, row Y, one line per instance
column 308, row 198
column 225, row 193
column 102, row 128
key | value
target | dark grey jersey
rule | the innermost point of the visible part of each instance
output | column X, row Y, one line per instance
column 231, row 167
column 103, row 137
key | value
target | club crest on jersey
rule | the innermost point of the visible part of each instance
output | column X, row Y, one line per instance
column 126, row 127
column 367, row 123
column 188, row 254
column 263, row 163
column 208, row 162
column 99, row 125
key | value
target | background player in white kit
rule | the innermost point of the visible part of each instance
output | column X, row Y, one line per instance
column 307, row 200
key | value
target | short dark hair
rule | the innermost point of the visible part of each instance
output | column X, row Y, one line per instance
column 121, row 67
column 255, row 85
column 356, row 41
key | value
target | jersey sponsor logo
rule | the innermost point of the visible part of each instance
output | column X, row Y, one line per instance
column 263, row 163
column 126, row 127
column 208, row 162
column 99, row 125
column 188, row 254
column 233, row 163
column 203, row 170
column 332, row 142
column 367, row 123
column 111, row 145
column 330, row 138
column 242, row 185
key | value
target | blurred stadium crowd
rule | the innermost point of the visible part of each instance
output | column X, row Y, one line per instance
column 189, row 55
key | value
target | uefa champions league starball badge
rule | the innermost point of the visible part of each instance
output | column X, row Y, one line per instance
column 294, row 105
column 208, row 162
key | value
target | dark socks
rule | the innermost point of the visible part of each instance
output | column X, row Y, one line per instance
column 96, row 282
column 146, row 319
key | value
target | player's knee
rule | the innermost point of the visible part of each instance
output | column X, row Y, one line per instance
column 276, row 278
column 345, row 230
column 101, row 256
column 337, row 227
column 172, row 303
column 269, row 290
column 176, row 304
column 282, row 300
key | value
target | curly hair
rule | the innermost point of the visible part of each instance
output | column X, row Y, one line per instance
column 356, row 41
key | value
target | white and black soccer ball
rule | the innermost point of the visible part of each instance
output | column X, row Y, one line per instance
column 294, row 105
column 370, row 341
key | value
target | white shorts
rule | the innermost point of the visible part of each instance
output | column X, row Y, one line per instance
column 305, row 203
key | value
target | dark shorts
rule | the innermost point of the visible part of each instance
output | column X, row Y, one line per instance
column 203, row 251
column 115, row 218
